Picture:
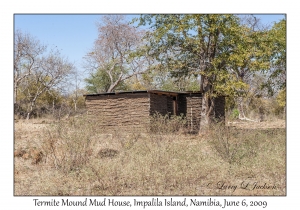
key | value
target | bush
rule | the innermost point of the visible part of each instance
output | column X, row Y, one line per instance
column 154, row 163
column 234, row 114
column 234, row 145
column 68, row 145
column 167, row 124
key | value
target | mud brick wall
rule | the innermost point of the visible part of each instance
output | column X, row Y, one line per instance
column 126, row 110
column 133, row 110
column 161, row 104
column 193, row 111
column 188, row 104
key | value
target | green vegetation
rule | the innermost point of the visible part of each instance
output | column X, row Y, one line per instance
column 227, row 54
column 100, row 82
column 217, row 54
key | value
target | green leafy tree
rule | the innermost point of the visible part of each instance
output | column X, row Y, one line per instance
column 277, row 74
column 196, row 45
column 100, row 81
column 251, row 55
column 281, row 100
column 225, row 50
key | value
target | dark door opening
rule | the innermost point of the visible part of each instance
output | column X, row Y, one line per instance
column 175, row 106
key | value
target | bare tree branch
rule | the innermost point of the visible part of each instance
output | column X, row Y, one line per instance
column 114, row 49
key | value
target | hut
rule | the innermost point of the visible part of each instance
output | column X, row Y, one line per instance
column 133, row 109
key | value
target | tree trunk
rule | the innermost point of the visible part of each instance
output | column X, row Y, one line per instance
column 242, row 116
column 75, row 104
column 16, row 92
column 30, row 111
column 32, row 105
column 207, row 112
column 53, row 108
column 240, row 105
column 208, row 106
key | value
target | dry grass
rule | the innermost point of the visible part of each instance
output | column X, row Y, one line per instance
column 77, row 157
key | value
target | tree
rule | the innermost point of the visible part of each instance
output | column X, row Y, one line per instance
column 281, row 100
column 49, row 74
column 76, row 99
column 226, row 50
column 251, row 54
column 259, row 62
column 277, row 73
column 27, row 50
column 38, row 74
column 99, row 81
column 195, row 45
column 112, row 56
column 42, row 104
column 75, row 93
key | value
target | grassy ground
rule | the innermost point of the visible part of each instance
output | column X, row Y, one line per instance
column 77, row 157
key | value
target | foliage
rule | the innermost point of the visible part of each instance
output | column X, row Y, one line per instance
column 27, row 51
column 189, row 44
column 76, row 101
column 166, row 124
column 114, row 56
column 221, row 49
column 99, row 81
column 39, row 75
column 181, row 84
column 281, row 98
column 207, row 45
column 134, row 83
column 234, row 114
column 250, row 53
column 277, row 74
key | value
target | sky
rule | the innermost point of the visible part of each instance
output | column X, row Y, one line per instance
column 74, row 35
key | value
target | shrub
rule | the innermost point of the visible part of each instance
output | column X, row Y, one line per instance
column 68, row 145
column 233, row 145
column 107, row 153
column 235, row 114
column 167, row 123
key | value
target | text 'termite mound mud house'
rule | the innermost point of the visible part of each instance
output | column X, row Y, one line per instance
column 132, row 109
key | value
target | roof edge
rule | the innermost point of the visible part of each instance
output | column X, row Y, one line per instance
column 146, row 91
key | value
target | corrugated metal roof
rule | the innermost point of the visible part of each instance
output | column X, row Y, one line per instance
column 147, row 91
column 116, row 93
column 173, row 93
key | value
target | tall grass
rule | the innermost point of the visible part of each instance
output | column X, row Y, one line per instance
column 68, row 145
column 234, row 145
column 82, row 159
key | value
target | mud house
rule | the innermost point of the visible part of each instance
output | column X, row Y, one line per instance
column 132, row 109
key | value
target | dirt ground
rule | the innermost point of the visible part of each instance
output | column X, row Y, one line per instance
column 258, row 125
column 33, row 176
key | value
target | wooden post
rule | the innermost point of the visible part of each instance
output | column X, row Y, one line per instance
column 192, row 119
